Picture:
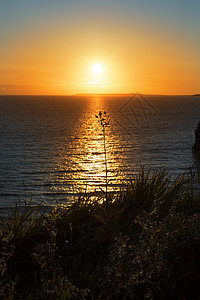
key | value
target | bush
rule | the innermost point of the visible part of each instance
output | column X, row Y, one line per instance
column 142, row 243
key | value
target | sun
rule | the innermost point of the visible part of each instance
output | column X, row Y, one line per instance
column 97, row 68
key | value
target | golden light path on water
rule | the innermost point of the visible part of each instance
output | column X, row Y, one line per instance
column 80, row 166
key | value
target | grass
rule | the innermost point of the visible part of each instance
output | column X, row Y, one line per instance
column 142, row 243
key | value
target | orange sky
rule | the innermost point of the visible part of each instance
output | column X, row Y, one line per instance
column 50, row 49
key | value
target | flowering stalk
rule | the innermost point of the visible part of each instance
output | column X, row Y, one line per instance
column 103, row 119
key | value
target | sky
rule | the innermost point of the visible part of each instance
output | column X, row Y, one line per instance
column 143, row 46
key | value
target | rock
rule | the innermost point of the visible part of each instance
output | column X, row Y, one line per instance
column 196, row 147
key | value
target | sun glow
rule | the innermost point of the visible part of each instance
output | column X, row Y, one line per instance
column 97, row 68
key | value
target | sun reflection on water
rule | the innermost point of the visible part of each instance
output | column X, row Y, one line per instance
column 81, row 160
column 90, row 145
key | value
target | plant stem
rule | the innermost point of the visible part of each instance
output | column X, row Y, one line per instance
column 103, row 119
column 106, row 164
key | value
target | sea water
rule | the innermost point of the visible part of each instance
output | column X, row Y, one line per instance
column 52, row 149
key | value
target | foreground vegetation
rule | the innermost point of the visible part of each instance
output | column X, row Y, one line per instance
column 143, row 243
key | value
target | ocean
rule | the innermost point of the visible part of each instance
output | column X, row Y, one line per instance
column 51, row 147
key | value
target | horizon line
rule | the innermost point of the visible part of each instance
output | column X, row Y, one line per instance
column 101, row 94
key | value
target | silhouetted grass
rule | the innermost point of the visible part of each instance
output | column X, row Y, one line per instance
column 142, row 243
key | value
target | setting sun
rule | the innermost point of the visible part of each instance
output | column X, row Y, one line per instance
column 97, row 68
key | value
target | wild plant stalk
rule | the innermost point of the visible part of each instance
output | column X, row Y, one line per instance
column 103, row 119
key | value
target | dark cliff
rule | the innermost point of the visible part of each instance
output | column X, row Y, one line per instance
column 196, row 147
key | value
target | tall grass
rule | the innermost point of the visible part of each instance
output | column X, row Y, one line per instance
column 143, row 243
